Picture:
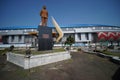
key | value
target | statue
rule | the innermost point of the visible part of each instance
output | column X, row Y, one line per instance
column 45, row 40
column 44, row 16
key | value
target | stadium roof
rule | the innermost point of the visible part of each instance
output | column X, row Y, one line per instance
column 88, row 25
column 62, row 26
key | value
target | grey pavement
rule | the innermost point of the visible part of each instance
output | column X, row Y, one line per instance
column 81, row 66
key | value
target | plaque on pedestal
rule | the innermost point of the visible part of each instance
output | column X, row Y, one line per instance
column 45, row 40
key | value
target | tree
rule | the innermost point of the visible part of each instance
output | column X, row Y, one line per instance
column 70, row 40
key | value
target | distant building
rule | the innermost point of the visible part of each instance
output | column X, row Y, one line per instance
column 82, row 33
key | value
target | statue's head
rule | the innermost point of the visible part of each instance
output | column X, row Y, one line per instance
column 44, row 7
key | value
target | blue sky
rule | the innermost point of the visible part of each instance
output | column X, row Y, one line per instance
column 26, row 12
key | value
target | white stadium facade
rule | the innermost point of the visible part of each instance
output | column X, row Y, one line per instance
column 83, row 34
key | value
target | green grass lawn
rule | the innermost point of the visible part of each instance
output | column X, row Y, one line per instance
column 34, row 52
column 3, row 51
column 111, row 53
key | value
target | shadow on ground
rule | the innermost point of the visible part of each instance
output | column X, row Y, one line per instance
column 116, row 76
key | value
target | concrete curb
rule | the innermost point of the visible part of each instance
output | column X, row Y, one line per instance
column 113, row 59
column 37, row 60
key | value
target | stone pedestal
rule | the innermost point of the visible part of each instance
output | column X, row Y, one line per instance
column 45, row 40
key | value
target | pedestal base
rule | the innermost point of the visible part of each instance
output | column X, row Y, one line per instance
column 45, row 41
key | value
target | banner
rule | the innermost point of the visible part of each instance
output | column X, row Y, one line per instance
column 111, row 36
column 118, row 36
column 102, row 36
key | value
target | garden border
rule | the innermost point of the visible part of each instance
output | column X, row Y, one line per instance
column 37, row 60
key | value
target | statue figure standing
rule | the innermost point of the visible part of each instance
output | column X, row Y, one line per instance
column 44, row 16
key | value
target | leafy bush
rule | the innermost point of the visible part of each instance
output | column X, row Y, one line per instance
column 11, row 48
column 79, row 49
column 111, row 47
column 70, row 40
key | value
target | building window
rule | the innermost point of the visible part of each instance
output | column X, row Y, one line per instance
column 86, row 35
column 105, row 28
column 102, row 27
column 28, row 39
column 67, row 29
column 5, row 39
column 20, row 38
column 110, row 27
column 12, row 38
column 93, row 27
column 98, row 28
column 79, row 36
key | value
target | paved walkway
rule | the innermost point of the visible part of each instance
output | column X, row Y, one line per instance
column 82, row 66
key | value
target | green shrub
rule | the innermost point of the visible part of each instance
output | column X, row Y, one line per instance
column 111, row 47
column 11, row 48
column 79, row 49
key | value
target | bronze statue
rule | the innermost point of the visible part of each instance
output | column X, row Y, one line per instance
column 44, row 16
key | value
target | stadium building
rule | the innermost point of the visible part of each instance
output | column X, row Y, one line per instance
column 83, row 34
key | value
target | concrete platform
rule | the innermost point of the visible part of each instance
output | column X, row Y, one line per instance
column 37, row 60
